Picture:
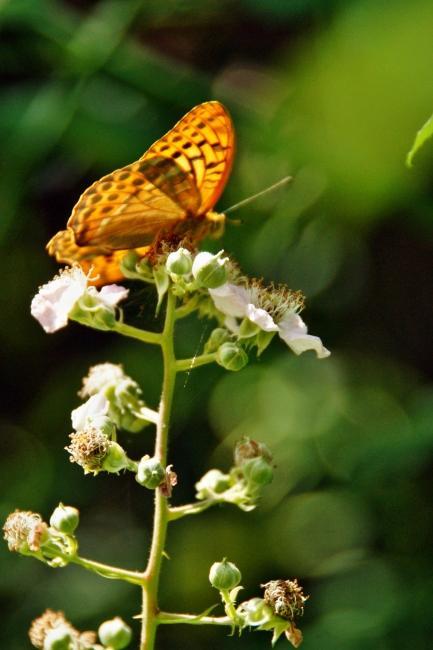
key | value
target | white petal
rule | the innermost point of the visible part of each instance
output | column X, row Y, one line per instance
column 293, row 331
column 95, row 405
column 260, row 317
column 55, row 300
column 111, row 294
column 231, row 299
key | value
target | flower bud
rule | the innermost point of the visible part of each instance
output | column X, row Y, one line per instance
column 115, row 459
column 231, row 357
column 179, row 262
column 65, row 519
column 224, row 575
column 59, row 638
column 217, row 337
column 115, row 633
column 212, row 483
column 255, row 611
column 258, row 471
column 210, row 270
column 150, row 473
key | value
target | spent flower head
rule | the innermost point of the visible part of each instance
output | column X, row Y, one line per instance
column 285, row 597
column 25, row 531
column 47, row 622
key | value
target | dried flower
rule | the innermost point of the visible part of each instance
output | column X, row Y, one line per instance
column 49, row 621
column 24, row 531
column 285, row 597
column 88, row 448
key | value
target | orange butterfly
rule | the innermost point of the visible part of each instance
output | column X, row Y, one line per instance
column 167, row 195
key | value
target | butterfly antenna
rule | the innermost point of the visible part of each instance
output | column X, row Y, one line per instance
column 284, row 181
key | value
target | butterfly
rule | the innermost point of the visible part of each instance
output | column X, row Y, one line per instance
column 166, row 195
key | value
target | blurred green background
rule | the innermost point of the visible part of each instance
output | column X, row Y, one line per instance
column 333, row 92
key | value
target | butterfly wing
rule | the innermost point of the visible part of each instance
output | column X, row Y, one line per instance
column 202, row 144
column 103, row 263
column 128, row 207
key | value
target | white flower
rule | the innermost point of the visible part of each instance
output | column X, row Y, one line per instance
column 95, row 406
column 238, row 302
column 55, row 300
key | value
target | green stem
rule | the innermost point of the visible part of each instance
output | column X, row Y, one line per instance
column 190, row 509
column 170, row 618
column 153, row 569
column 189, row 308
column 136, row 333
column 108, row 571
column 194, row 362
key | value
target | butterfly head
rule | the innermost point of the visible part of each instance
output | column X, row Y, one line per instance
column 216, row 224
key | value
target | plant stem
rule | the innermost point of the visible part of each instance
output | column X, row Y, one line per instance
column 177, row 512
column 153, row 569
column 108, row 571
column 136, row 333
column 193, row 619
column 194, row 362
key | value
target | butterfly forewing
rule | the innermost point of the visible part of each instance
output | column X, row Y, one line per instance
column 165, row 195
column 202, row 144
column 128, row 207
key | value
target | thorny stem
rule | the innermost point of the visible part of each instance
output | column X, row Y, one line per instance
column 152, row 572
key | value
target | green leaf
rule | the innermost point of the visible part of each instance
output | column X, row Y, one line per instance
column 425, row 132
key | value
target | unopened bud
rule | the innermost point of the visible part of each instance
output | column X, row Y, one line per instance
column 179, row 262
column 65, row 519
column 210, row 270
column 217, row 337
column 115, row 633
column 258, row 471
column 150, row 473
column 224, row 575
column 212, row 483
column 231, row 357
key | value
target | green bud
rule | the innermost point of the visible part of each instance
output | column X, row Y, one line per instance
column 255, row 611
column 231, row 357
column 150, row 473
column 128, row 263
column 115, row 633
column 224, row 575
column 210, row 270
column 115, row 459
column 65, row 519
column 258, row 471
column 218, row 336
column 248, row 329
column 59, row 638
column 179, row 262
column 212, row 483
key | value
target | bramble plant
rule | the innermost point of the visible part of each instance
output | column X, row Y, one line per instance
column 247, row 314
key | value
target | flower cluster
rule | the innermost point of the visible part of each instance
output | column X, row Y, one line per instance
column 282, row 604
column 52, row 631
column 27, row 533
column 244, row 483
